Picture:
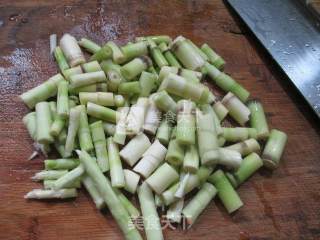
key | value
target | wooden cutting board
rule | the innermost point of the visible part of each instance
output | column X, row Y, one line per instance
column 284, row 204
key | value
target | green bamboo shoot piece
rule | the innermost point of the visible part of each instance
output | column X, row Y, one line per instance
column 49, row 175
column 132, row 180
column 274, row 148
column 162, row 178
column 93, row 191
column 151, row 219
column 191, row 159
column 213, row 57
column 48, row 184
column 49, row 194
column 84, row 135
column 165, row 102
column 206, row 130
column 71, row 50
column 44, row 121
column 89, row 45
column 156, row 54
column 198, row 50
column 258, row 119
column 133, row 50
column 228, row 196
column 249, row 166
column 100, row 145
column 120, row 131
column 246, row 147
column 104, row 53
column 71, row 71
column 129, row 88
column 152, row 118
column 175, row 153
column 117, row 54
column 136, row 116
column 135, row 67
column 61, row 164
column 226, row 83
column 42, row 92
column 93, row 66
column 58, row 122
column 220, row 110
column 239, row 134
column 101, row 98
column 199, row 202
column 186, row 54
column 183, row 88
column 116, row 170
column 236, row 108
column 164, row 132
column 85, row 79
column 171, row 59
column 186, row 122
column 68, row 178
column 148, row 83
column 135, row 148
column 151, row 159
column 100, row 112
column 60, row 59
column 157, row 39
column 104, row 187
column 63, row 99
column 131, row 209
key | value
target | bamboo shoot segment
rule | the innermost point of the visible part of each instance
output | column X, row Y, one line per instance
column 135, row 67
column 116, row 170
column 228, row 196
column 205, row 131
column 106, row 99
column 226, row 83
column 186, row 54
column 237, row 109
column 181, row 87
column 49, row 193
column 152, row 158
column 120, row 131
column 135, row 149
column 162, row 178
column 258, row 119
column 246, row 147
column 186, row 122
column 199, row 202
column 42, row 92
column 248, row 167
column 213, row 57
column 274, row 148
column 151, row 219
column 71, row 50
column 132, row 180
column 85, row 79
column 44, row 121
column 152, row 119
column 238, row 134
column 136, row 116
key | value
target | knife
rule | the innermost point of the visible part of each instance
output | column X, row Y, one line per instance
column 291, row 35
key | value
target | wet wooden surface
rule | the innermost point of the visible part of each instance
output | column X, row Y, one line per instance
column 284, row 204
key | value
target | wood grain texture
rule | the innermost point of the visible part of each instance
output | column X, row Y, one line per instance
column 284, row 204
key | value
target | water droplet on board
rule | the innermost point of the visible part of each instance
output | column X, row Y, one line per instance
column 307, row 45
column 13, row 17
